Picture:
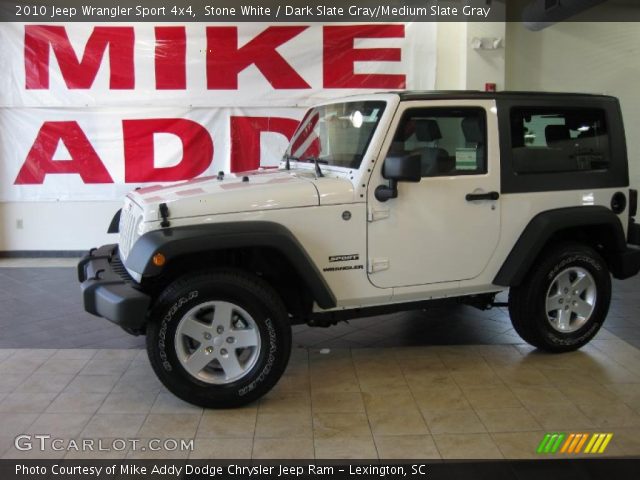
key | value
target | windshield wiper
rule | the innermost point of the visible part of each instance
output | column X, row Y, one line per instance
column 287, row 158
column 316, row 162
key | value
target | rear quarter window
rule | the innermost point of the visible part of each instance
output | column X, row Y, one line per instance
column 548, row 140
column 556, row 142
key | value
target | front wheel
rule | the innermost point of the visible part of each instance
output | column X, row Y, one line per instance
column 220, row 339
column 564, row 301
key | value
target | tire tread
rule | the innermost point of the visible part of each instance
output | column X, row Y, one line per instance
column 261, row 290
column 523, row 296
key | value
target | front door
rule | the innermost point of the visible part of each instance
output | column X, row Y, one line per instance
column 446, row 227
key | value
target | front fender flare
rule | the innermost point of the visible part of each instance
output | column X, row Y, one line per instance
column 177, row 241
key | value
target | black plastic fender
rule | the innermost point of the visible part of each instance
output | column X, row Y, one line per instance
column 546, row 224
column 177, row 241
column 114, row 226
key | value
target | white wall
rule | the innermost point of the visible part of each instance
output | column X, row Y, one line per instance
column 484, row 65
column 451, row 65
column 581, row 57
column 459, row 66
column 55, row 225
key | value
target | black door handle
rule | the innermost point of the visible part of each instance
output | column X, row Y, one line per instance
column 471, row 197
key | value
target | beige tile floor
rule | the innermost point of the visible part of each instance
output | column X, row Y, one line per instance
column 431, row 402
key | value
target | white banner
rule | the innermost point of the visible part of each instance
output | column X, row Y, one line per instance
column 90, row 111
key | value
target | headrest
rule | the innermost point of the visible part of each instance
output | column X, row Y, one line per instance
column 472, row 130
column 427, row 130
column 409, row 129
column 556, row 133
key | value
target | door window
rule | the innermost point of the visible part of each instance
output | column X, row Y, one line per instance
column 449, row 141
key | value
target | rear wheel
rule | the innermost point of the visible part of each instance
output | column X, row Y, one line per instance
column 564, row 301
column 219, row 339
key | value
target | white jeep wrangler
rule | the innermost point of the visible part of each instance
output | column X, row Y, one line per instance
column 382, row 203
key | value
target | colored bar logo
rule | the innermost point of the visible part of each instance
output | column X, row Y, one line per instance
column 573, row 443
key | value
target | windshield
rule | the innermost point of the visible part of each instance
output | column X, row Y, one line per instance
column 336, row 134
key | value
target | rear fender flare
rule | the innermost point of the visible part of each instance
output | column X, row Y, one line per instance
column 545, row 225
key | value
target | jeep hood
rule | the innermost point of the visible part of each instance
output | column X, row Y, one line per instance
column 264, row 190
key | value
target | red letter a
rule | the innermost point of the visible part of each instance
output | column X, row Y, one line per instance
column 84, row 160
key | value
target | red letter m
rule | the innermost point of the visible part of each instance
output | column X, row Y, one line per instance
column 40, row 39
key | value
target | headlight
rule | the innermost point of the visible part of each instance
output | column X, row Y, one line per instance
column 131, row 227
column 139, row 228
column 136, row 231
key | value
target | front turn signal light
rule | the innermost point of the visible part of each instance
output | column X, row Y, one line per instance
column 159, row 260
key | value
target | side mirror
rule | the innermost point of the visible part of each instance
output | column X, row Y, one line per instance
column 398, row 168
column 402, row 168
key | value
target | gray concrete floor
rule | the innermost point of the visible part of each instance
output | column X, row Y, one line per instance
column 41, row 308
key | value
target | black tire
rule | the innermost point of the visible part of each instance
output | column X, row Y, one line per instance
column 527, row 302
column 244, row 290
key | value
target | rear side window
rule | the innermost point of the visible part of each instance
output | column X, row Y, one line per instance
column 553, row 140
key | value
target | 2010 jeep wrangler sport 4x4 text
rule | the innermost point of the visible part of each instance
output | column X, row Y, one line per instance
column 383, row 202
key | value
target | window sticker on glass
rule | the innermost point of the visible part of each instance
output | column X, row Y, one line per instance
column 466, row 159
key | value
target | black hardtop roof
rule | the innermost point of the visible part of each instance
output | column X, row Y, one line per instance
column 477, row 94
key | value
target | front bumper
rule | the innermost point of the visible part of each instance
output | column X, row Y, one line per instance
column 108, row 292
